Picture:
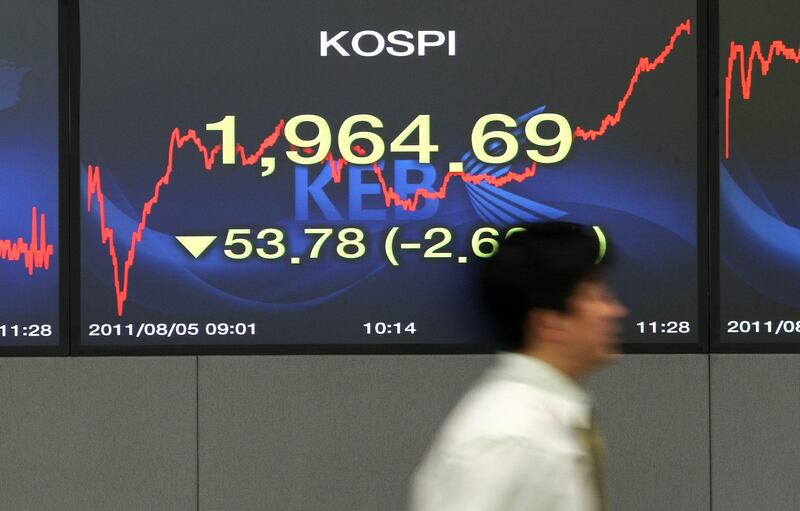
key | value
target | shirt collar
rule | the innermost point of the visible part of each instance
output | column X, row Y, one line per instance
column 575, row 404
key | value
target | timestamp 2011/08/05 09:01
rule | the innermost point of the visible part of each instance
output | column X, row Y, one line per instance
column 771, row 327
column 169, row 330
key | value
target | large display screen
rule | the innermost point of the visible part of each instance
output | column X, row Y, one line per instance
column 29, row 165
column 328, row 173
column 759, row 295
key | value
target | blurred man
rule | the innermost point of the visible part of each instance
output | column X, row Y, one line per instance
column 524, row 438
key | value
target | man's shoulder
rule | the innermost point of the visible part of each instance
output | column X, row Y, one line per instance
column 501, row 409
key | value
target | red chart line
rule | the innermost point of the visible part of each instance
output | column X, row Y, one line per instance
column 37, row 253
column 645, row 65
column 392, row 198
column 178, row 140
column 737, row 53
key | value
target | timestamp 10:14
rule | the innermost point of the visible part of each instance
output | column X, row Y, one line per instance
column 384, row 328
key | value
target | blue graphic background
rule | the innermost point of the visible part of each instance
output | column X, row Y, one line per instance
column 639, row 181
column 759, row 216
column 29, row 161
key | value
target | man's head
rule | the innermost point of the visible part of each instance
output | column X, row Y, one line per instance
column 546, row 290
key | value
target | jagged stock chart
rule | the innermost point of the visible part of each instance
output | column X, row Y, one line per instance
column 29, row 205
column 304, row 174
column 759, row 294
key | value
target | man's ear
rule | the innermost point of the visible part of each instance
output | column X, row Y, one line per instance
column 547, row 325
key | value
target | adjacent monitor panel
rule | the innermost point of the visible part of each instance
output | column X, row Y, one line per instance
column 759, row 67
column 29, row 167
column 312, row 175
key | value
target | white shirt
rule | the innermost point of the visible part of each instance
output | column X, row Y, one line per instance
column 510, row 445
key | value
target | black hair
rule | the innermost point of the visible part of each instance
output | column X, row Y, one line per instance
column 539, row 268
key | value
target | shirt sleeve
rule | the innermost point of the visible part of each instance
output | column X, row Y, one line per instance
column 494, row 475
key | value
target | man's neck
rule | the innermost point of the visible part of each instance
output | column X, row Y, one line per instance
column 563, row 364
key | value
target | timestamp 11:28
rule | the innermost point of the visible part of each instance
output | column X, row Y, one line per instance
column 664, row 327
